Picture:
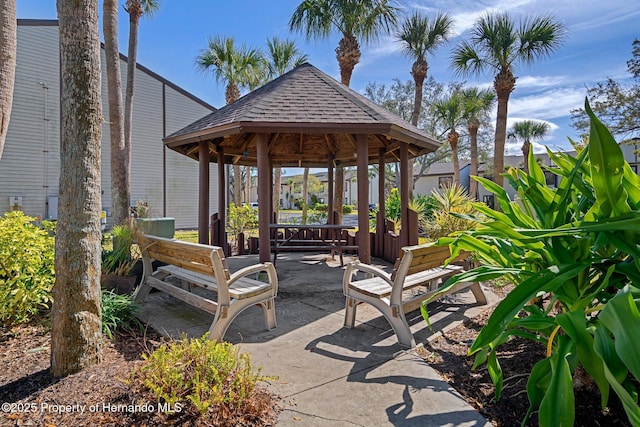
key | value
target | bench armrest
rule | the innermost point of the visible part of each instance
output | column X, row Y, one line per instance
column 267, row 266
column 355, row 266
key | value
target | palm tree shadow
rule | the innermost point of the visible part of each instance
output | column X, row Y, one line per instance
column 26, row 386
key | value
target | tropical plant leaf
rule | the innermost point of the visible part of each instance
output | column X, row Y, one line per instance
column 558, row 405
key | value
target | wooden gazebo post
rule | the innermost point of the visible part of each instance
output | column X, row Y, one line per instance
column 362, row 161
column 264, row 170
column 380, row 219
column 203, row 195
column 330, row 189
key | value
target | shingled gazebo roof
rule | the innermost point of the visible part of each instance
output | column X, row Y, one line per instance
column 308, row 116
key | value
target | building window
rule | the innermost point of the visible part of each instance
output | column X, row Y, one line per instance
column 551, row 179
column 445, row 181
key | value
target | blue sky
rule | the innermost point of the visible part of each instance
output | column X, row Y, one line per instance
column 597, row 46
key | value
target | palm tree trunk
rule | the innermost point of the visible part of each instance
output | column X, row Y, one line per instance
column 348, row 56
column 237, row 185
column 473, row 142
column 526, row 147
column 453, row 142
column 247, row 184
column 419, row 73
column 504, row 83
column 277, row 184
column 8, row 29
column 119, row 182
column 76, row 338
column 338, row 200
column 305, row 195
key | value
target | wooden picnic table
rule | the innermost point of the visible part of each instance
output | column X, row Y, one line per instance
column 309, row 237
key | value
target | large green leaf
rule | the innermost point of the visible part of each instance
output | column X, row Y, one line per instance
column 547, row 280
column 622, row 317
column 537, row 385
column 558, row 405
column 612, row 368
column 607, row 168
column 575, row 325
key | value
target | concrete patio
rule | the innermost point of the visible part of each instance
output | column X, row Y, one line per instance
column 327, row 374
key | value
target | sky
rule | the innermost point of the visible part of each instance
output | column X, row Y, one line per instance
column 597, row 46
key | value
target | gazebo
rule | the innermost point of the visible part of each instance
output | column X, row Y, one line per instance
column 302, row 119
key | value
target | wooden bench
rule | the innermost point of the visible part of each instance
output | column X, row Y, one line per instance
column 205, row 266
column 416, row 276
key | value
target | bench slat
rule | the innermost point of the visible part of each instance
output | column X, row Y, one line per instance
column 186, row 296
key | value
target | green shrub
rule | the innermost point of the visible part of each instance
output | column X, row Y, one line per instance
column 447, row 205
column 321, row 207
column 119, row 260
column 241, row 218
column 118, row 313
column 26, row 268
column 576, row 245
column 392, row 206
column 208, row 379
column 347, row 209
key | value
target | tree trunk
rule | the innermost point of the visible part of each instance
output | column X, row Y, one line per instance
column 338, row 200
column 135, row 12
column 305, row 195
column 237, row 185
column 8, row 29
column 277, row 184
column 247, row 184
column 119, row 180
column 526, row 147
column 76, row 325
column 419, row 73
column 473, row 142
column 504, row 83
column 453, row 142
column 348, row 56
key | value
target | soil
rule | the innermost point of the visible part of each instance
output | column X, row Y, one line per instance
column 27, row 386
column 448, row 355
column 31, row 396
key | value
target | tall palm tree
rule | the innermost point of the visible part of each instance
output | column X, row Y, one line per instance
column 8, row 29
column 450, row 112
column 76, row 338
column 528, row 131
column 135, row 9
column 237, row 67
column 477, row 103
column 355, row 20
column 420, row 36
column 282, row 56
column 120, row 184
column 497, row 44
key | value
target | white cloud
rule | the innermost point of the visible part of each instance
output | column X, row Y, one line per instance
column 549, row 104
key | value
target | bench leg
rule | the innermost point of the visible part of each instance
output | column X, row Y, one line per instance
column 269, row 312
column 141, row 292
column 350, row 312
column 478, row 293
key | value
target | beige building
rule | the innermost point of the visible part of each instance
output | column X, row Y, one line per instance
column 29, row 168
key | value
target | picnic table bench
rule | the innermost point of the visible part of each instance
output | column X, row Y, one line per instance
column 310, row 237
column 416, row 276
column 206, row 267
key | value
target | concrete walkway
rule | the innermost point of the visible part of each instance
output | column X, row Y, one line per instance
column 329, row 375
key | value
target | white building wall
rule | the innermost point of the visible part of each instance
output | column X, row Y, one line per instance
column 30, row 164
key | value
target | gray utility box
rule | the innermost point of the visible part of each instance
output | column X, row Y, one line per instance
column 162, row 227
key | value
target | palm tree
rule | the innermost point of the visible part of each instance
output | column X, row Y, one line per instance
column 76, row 338
column 497, row 45
column 420, row 36
column 476, row 106
column 135, row 9
column 282, row 56
column 528, row 131
column 450, row 112
column 241, row 67
column 362, row 19
column 120, row 184
column 8, row 28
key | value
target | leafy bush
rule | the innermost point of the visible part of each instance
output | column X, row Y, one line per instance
column 321, row 207
column 241, row 218
column 577, row 245
column 447, row 205
column 347, row 209
column 392, row 206
column 118, row 313
column 26, row 268
column 210, row 380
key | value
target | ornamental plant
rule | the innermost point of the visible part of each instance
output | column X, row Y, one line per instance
column 577, row 247
column 26, row 268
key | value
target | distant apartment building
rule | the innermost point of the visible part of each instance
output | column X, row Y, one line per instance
column 30, row 166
